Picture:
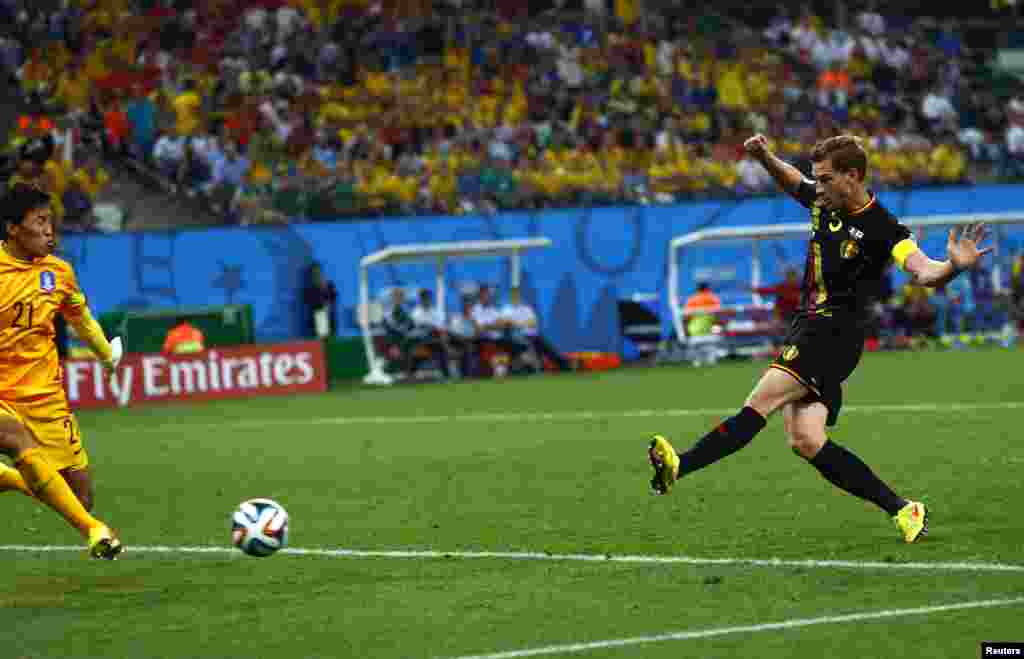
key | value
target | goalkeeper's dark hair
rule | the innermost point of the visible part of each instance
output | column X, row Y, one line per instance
column 846, row 153
column 19, row 200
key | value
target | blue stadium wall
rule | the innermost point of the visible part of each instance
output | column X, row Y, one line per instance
column 598, row 257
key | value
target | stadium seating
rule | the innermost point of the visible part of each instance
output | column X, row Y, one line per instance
column 350, row 108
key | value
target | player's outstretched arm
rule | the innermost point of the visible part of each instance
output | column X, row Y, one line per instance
column 786, row 176
column 108, row 352
column 962, row 250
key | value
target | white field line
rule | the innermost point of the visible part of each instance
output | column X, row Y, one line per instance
column 615, row 643
column 545, row 556
column 745, row 629
column 581, row 415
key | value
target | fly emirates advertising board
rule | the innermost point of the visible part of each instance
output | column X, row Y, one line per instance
column 235, row 372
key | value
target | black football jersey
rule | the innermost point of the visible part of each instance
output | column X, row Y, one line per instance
column 847, row 255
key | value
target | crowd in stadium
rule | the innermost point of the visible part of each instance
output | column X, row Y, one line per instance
column 275, row 110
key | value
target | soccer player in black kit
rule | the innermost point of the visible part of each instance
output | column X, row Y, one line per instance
column 853, row 238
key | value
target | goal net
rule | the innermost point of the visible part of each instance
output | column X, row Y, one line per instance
column 436, row 266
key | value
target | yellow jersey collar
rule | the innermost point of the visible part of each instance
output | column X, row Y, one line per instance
column 871, row 202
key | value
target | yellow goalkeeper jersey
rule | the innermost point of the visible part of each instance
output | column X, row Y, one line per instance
column 31, row 293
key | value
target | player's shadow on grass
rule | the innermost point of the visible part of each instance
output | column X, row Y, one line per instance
column 52, row 592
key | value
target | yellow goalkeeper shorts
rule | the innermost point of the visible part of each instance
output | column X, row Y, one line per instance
column 50, row 422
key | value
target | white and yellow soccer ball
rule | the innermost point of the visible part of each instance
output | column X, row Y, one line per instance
column 259, row 527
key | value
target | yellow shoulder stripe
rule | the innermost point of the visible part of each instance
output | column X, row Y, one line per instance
column 903, row 249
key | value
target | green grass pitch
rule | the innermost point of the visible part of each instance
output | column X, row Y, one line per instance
column 552, row 464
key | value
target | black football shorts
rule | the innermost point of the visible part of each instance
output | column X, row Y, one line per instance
column 821, row 352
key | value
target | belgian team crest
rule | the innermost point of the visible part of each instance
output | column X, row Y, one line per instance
column 849, row 249
column 47, row 281
column 790, row 353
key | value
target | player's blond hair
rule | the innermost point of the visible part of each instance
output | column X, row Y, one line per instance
column 846, row 152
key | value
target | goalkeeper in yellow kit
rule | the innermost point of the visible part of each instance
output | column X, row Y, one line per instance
column 37, row 430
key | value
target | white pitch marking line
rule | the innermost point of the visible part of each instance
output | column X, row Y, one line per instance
column 746, row 629
column 582, row 415
column 544, row 556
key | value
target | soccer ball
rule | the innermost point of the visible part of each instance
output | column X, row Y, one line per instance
column 259, row 527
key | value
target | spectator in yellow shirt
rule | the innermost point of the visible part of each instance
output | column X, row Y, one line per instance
column 74, row 90
column 761, row 87
column 187, row 107
column 456, row 60
column 101, row 17
column 547, row 180
column 609, row 182
column 683, row 65
column 80, row 198
column 378, row 84
column 443, row 189
column 96, row 67
column 667, row 180
column 90, row 178
column 485, row 112
column 38, row 168
column 917, row 171
column 627, row 11
column 732, row 89
column 883, row 164
column 696, row 124
column 577, row 177
column 947, row 163
column 52, row 180
column 515, row 106
column 56, row 175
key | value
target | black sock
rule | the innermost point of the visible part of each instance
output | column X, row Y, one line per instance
column 730, row 436
column 848, row 472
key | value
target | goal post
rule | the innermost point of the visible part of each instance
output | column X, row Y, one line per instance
column 755, row 238
column 439, row 254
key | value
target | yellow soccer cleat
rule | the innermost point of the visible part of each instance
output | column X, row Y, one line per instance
column 665, row 462
column 104, row 544
column 912, row 520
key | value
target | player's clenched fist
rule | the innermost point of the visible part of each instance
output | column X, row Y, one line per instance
column 757, row 145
